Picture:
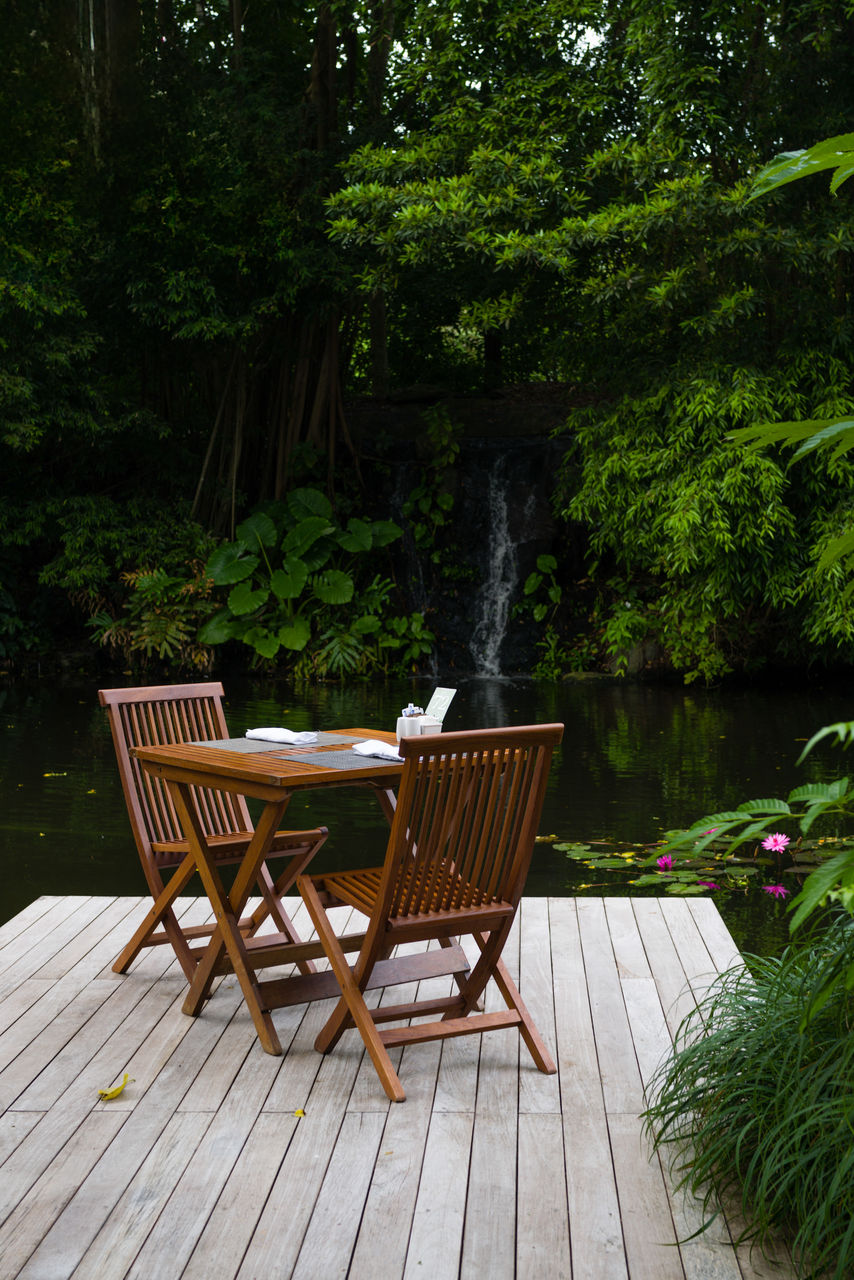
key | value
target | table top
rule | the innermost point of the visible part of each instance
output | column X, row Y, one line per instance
column 281, row 766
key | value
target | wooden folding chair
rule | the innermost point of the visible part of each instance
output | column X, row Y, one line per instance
column 164, row 714
column 456, row 863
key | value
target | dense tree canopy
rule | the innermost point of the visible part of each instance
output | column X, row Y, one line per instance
column 221, row 220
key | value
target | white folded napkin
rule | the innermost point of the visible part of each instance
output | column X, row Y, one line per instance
column 282, row 735
column 376, row 747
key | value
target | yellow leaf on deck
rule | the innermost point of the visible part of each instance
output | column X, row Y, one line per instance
column 107, row 1094
column 300, row 1112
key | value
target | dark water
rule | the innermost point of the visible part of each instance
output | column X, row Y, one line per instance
column 636, row 761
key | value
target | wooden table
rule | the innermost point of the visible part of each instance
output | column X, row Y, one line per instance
column 272, row 774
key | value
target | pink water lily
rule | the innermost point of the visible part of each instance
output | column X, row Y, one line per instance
column 776, row 843
column 665, row 862
column 708, row 884
column 776, row 890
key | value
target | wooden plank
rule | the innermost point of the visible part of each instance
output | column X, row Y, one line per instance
column 542, row 1215
column 14, row 1127
column 489, row 1237
column 107, row 1043
column 24, row 1066
column 98, row 1194
column 56, row 929
column 594, row 1212
column 456, row 1084
column 715, row 934
column 278, row 1236
column 644, row 1203
column 618, row 1069
column 437, row 1225
column 36, row 922
column 201, row 1168
column 97, row 944
column 330, row 1238
column 690, row 947
column 144, row 1198
column 384, row 1230
column 648, row 1026
column 222, row 1244
column 17, row 1002
column 35, row 1213
column 537, row 1092
column 664, row 961
column 166, row 1246
column 14, row 929
column 629, row 954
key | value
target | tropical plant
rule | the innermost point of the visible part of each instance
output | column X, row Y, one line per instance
column 831, row 435
column 832, row 881
column 295, row 583
column 755, row 1105
column 160, row 619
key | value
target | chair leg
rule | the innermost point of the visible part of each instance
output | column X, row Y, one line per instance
column 271, row 904
column 527, row 1027
column 161, row 913
column 352, row 996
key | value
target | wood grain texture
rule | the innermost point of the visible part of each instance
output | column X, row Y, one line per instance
column 203, row 1168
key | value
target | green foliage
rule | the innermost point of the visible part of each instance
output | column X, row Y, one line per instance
column 134, row 571
column 200, row 230
column 832, row 881
column 160, row 619
column 755, row 1104
column 295, row 583
column 833, row 153
column 429, row 504
column 720, row 547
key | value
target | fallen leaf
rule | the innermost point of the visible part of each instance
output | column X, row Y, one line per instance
column 108, row 1094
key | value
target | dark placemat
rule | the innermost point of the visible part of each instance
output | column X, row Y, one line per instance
column 337, row 759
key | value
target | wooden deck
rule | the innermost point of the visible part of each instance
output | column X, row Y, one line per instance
column 205, row 1169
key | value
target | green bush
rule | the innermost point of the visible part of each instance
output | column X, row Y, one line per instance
column 757, row 1103
column 302, row 586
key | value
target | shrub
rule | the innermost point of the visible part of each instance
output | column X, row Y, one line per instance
column 757, row 1102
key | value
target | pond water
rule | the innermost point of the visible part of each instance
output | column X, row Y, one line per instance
column 636, row 761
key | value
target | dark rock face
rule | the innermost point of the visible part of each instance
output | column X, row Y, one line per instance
column 500, row 522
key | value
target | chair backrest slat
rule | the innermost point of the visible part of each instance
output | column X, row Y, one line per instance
column 158, row 715
column 464, row 828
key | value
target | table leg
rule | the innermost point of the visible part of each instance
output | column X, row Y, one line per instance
column 228, row 909
column 387, row 801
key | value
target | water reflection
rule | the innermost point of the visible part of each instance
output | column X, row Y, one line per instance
column 636, row 760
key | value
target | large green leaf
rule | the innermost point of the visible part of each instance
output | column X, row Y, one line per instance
column 831, row 153
column 242, row 599
column 298, row 539
column 356, row 537
column 385, row 531
column 288, row 582
column 219, row 628
column 256, row 528
column 308, row 502
column 262, row 641
column 367, row 625
column 296, row 633
column 818, row 884
column 819, row 792
column 756, row 807
column 230, row 564
column 843, row 730
column 333, row 587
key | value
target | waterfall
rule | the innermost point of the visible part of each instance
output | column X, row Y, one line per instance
column 467, row 583
column 492, row 606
